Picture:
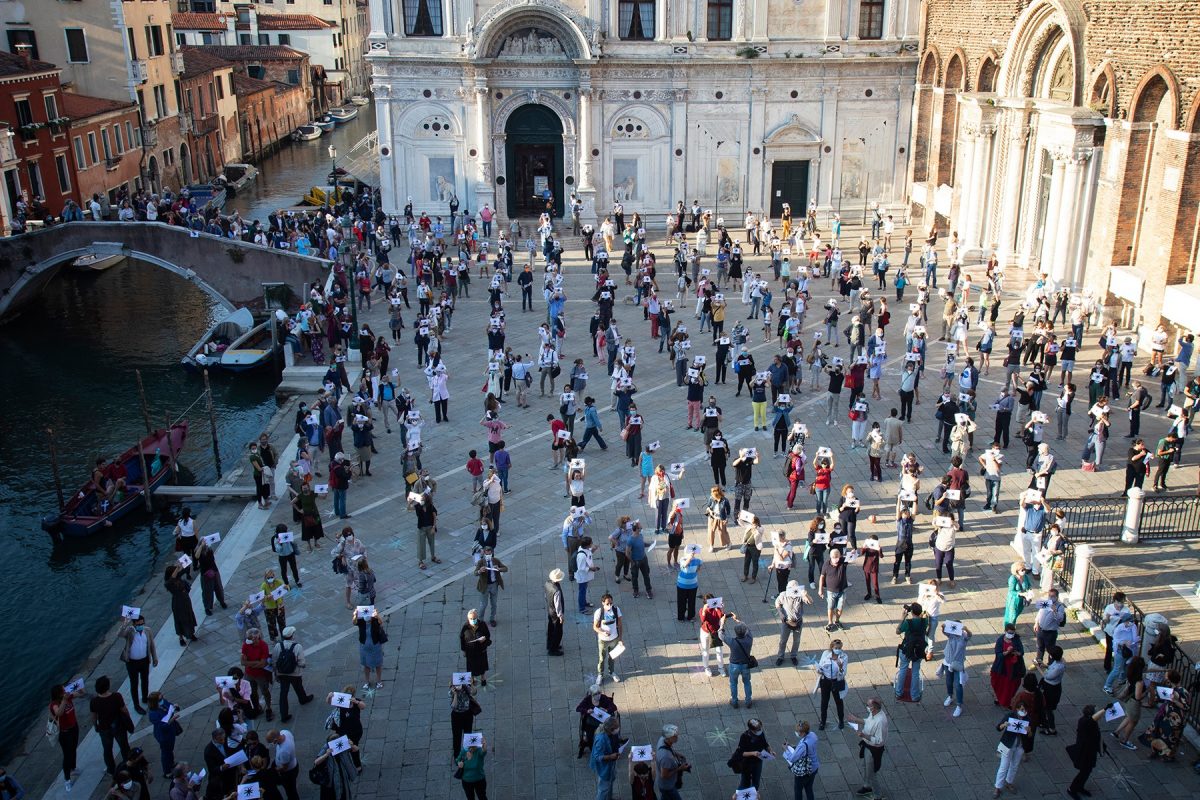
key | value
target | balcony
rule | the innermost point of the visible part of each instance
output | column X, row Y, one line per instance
column 112, row 162
column 149, row 137
column 141, row 71
column 203, row 124
column 177, row 62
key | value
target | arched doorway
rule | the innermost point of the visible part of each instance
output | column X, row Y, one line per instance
column 533, row 156
column 152, row 173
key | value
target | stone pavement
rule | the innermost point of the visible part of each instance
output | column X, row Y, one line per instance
column 528, row 704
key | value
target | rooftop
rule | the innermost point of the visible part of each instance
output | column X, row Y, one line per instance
column 253, row 52
column 244, row 85
column 12, row 64
column 81, row 106
column 198, row 61
column 197, row 21
column 292, row 22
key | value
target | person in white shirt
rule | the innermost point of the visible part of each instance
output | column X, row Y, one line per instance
column 872, row 733
column 607, row 624
column 584, row 571
column 286, row 764
column 1110, row 617
column 832, row 681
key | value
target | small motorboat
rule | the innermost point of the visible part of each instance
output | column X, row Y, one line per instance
column 238, row 175
column 94, row 262
column 91, row 510
column 324, row 122
column 251, row 350
column 224, row 332
column 360, row 100
column 343, row 114
column 306, row 133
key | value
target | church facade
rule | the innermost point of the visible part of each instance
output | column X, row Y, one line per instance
column 739, row 104
column 1064, row 135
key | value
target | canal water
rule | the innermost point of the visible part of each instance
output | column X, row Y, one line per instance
column 287, row 175
column 69, row 362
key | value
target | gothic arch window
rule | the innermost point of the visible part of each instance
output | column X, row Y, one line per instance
column 1102, row 99
column 635, row 20
column 422, row 17
column 987, row 75
column 1054, row 71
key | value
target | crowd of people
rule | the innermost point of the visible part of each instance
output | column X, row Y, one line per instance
column 827, row 335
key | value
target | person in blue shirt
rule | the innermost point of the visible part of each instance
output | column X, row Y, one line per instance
column 603, row 760
column 635, row 553
column 591, row 425
column 9, row 788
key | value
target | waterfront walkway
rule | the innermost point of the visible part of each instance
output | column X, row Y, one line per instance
column 528, row 714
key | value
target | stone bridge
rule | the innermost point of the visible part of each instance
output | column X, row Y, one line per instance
column 232, row 272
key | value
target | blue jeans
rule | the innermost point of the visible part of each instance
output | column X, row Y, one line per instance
column 588, row 434
column 954, row 686
column 503, row 473
column 339, row 502
column 993, row 492
column 931, row 275
column 583, row 596
column 1117, row 671
column 604, row 788
column 734, row 671
column 822, row 501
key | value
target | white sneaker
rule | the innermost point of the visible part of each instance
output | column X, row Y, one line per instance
column 67, row 785
column 958, row 711
column 616, row 678
column 949, row 700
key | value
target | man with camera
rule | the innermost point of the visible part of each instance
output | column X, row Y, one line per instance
column 914, row 627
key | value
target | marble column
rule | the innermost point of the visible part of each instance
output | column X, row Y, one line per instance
column 1050, row 229
column 1066, row 232
column 755, row 191
column 585, row 138
column 889, row 18
column 963, row 178
column 1010, row 197
column 833, row 20
column 389, row 164
column 971, row 226
column 378, row 29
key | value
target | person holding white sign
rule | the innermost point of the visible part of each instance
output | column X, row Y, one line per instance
column 954, row 664
column 339, row 770
column 1010, row 748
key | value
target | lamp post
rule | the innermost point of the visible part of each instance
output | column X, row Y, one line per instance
column 333, row 173
column 347, row 259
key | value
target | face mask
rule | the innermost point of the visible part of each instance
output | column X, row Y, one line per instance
column 837, row 652
column 472, row 621
column 128, row 785
column 139, row 628
column 1022, row 714
column 1009, row 635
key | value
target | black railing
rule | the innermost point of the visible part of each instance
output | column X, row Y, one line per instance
column 1097, row 593
column 1170, row 517
column 1093, row 519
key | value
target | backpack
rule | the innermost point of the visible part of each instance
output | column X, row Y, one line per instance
column 285, row 662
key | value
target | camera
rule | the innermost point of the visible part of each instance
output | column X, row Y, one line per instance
column 911, row 608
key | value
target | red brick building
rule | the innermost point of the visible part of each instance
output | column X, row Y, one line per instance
column 1065, row 136
column 31, row 104
column 105, row 146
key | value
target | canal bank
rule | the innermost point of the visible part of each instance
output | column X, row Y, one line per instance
column 285, row 176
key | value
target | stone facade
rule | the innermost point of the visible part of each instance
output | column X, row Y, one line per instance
column 1063, row 136
column 673, row 116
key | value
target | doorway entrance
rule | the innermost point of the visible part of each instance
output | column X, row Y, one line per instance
column 789, row 184
column 533, row 155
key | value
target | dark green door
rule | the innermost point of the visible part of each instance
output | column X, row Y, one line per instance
column 533, row 156
column 789, row 184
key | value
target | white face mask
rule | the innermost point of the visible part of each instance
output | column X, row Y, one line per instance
column 1009, row 635
column 127, row 786
column 1022, row 714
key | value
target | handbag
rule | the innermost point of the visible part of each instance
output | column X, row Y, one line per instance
column 475, row 708
column 751, row 662
column 802, row 766
column 319, row 775
column 51, row 728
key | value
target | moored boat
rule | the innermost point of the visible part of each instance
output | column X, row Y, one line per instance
column 223, row 333
column 252, row 350
column 324, row 122
column 238, row 175
column 93, row 509
column 306, row 133
column 95, row 262
column 360, row 100
column 343, row 114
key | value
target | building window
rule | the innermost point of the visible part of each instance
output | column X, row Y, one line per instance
column 105, row 144
column 285, row 39
column 19, row 37
column 293, row 76
column 92, row 147
column 720, row 20
column 80, row 157
column 245, row 38
column 35, row 180
column 77, row 49
column 256, row 71
column 118, row 140
column 64, row 173
column 421, row 17
column 129, row 134
column 154, row 41
column 24, row 118
column 51, row 106
column 181, row 39
column 160, row 102
column 133, row 54
column 870, row 19
column 635, row 20
column 264, row 38
column 231, row 92
column 212, row 97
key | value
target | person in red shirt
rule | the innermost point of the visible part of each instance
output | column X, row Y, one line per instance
column 710, row 625
column 556, row 450
column 475, row 469
column 255, row 657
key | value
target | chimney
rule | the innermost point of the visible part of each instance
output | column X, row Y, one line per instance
column 24, row 50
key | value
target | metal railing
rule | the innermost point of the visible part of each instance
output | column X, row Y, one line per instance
column 1093, row 519
column 1098, row 591
column 1170, row 517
